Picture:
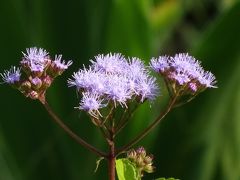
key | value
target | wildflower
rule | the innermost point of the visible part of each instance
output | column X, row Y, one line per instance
column 118, row 90
column 183, row 71
column 58, row 65
column 36, row 55
column 146, row 88
column 160, row 64
column 88, row 80
column 136, row 68
column 110, row 63
column 116, row 79
column 35, row 60
column 37, row 74
column 191, row 68
column 11, row 76
column 91, row 103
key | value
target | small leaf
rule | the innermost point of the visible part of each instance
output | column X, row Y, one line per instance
column 127, row 170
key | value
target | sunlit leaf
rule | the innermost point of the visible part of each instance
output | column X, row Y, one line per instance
column 126, row 170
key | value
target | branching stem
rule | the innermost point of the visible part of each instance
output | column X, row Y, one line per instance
column 150, row 127
column 70, row 132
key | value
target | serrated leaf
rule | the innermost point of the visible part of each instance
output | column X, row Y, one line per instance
column 126, row 170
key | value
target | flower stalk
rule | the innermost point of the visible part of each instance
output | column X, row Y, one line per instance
column 149, row 128
column 71, row 133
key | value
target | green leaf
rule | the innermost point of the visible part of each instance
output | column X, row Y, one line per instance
column 126, row 170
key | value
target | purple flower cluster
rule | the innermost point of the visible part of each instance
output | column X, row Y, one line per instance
column 39, row 72
column 184, row 71
column 113, row 78
column 12, row 76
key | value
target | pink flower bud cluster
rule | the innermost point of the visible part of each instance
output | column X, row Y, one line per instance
column 141, row 160
column 36, row 73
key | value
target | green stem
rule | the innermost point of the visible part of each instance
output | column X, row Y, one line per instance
column 149, row 128
column 70, row 132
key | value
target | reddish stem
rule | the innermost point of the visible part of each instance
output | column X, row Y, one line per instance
column 70, row 132
column 111, row 162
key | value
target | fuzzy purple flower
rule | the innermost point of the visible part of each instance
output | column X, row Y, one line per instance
column 147, row 89
column 115, row 79
column 110, row 63
column 60, row 64
column 35, row 59
column 160, row 64
column 91, row 103
column 38, row 73
column 36, row 55
column 117, row 89
column 11, row 76
column 185, row 70
column 88, row 80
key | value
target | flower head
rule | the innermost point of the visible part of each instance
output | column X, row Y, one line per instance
column 88, row 80
column 11, row 76
column 35, row 54
column 160, row 64
column 184, row 71
column 110, row 63
column 60, row 65
column 91, row 103
column 115, row 79
column 117, row 89
column 147, row 89
column 36, row 67
column 36, row 59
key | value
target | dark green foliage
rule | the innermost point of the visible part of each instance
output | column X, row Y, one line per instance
column 199, row 141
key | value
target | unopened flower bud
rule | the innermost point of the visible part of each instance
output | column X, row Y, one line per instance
column 131, row 154
column 142, row 161
column 148, row 160
column 139, row 161
column 141, row 151
column 193, row 87
column 149, row 168
column 36, row 83
column 47, row 81
column 33, row 95
column 25, row 86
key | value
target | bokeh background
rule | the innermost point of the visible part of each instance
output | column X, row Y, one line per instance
column 198, row 141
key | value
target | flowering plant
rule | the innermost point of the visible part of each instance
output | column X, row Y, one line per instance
column 110, row 91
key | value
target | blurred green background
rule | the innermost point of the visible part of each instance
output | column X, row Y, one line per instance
column 199, row 141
